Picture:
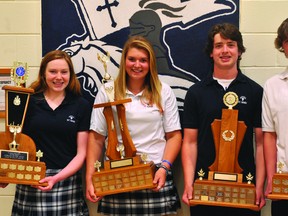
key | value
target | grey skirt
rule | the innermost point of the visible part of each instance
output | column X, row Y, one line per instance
column 66, row 198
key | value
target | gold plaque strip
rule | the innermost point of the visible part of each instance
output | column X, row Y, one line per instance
column 225, row 177
column 121, row 163
column 9, row 154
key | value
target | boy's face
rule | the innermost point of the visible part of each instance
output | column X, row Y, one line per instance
column 225, row 53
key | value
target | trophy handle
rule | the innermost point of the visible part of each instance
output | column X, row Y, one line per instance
column 130, row 150
column 216, row 127
column 111, row 151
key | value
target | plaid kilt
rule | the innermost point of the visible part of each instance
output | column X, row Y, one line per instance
column 65, row 198
column 143, row 202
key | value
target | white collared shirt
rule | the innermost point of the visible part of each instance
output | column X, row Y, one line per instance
column 147, row 126
column 275, row 113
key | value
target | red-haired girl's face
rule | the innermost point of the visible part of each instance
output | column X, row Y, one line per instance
column 57, row 75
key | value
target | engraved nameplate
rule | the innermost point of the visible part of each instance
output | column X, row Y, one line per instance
column 121, row 163
column 225, row 177
column 15, row 155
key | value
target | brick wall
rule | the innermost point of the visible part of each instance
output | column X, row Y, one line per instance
column 20, row 39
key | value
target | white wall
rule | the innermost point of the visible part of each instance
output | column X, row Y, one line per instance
column 20, row 39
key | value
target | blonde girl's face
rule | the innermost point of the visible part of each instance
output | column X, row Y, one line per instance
column 137, row 64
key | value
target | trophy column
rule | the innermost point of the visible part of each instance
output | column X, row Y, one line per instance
column 19, row 161
column 224, row 186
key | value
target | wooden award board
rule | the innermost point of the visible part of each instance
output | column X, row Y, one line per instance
column 21, row 164
column 138, row 176
column 121, row 174
column 279, row 187
column 224, row 186
column 17, row 171
column 226, row 194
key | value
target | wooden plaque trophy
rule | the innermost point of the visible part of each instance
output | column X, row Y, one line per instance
column 19, row 161
column 124, row 171
column 224, row 186
column 279, row 184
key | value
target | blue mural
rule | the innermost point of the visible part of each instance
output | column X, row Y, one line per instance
column 176, row 28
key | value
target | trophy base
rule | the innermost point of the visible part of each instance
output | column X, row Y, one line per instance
column 279, row 187
column 277, row 196
column 22, row 172
column 225, row 194
column 138, row 176
column 225, row 204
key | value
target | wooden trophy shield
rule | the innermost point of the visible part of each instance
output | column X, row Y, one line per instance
column 279, row 184
column 224, row 186
column 124, row 171
column 19, row 161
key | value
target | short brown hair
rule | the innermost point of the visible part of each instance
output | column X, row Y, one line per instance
column 227, row 31
column 282, row 35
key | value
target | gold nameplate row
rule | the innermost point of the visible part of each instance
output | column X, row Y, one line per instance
column 279, row 187
column 124, row 179
column 228, row 194
column 21, row 172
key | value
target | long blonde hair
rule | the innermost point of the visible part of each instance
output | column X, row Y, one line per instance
column 152, row 85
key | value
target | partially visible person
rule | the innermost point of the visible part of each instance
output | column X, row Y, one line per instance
column 154, row 125
column 58, row 120
column 3, row 185
column 204, row 103
column 275, row 121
